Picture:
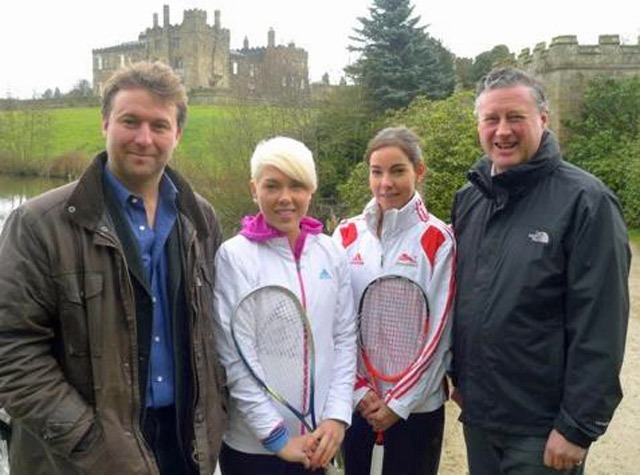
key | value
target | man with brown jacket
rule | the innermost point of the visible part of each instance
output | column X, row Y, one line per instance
column 107, row 357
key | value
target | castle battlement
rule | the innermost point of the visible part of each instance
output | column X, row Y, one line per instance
column 566, row 67
column 566, row 52
column 195, row 15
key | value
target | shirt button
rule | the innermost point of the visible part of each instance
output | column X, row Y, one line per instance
column 142, row 228
column 159, row 379
column 156, row 339
column 153, row 299
column 134, row 200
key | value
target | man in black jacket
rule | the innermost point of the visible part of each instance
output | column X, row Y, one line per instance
column 542, row 303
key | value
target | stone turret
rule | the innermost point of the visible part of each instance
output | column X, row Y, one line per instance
column 566, row 67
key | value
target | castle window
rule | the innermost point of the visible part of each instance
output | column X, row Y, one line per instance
column 252, row 70
column 235, row 68
column 99, row 59
column 122, row 60
column 284, row 81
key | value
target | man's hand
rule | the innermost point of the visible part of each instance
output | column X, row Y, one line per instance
column 328, row 436
column 299, row 449
column 560, row 454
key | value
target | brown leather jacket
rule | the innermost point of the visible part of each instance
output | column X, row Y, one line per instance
column 68, row 347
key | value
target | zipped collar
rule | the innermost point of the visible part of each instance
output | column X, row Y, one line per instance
column 517, row 180
column 395, row 220
column 257, row 229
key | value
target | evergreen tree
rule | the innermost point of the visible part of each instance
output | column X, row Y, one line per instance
column 398, row 59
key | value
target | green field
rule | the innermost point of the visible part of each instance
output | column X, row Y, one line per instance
column 30, row 140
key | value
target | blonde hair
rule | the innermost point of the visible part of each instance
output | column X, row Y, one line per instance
column 290, row 156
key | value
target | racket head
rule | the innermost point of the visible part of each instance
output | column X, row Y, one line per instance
column 273, row 337
column 393, row 325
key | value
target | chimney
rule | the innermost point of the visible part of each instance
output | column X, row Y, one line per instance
column 166, row 15
column 271, row 38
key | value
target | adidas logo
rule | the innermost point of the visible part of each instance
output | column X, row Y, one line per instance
column 406, row 260
column 357, row 260
column 325, row 274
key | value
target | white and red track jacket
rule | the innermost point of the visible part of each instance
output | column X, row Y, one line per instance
column 419, row 246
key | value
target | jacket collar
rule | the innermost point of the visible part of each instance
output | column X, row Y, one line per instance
column 86, row 204
column 519, row 179
column 396, row 220
column 256, row 228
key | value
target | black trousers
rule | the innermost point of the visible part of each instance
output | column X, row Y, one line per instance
column 234, row 462
column 160, row 432
column 497, row 453
column 411, row 447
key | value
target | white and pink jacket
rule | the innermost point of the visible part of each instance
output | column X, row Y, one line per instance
column 317, row 272
column 419, row 246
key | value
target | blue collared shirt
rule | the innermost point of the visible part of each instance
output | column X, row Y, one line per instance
column 151, row 244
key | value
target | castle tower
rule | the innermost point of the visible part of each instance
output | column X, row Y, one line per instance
column 566, row 68
column 201, row 55
column 271, row 38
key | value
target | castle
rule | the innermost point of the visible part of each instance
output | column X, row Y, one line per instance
column 201, row 55
column 566, row 68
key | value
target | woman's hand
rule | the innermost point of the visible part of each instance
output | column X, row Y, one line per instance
column 369, row 404
column 299, row 449
column 382, row 418
column 329, row 436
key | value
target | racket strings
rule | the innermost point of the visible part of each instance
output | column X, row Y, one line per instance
column 393, row 326
column 270, row 330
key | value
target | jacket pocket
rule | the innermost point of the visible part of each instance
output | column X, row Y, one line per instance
column 79, row 319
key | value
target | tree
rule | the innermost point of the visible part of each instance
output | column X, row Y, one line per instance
column 469, row 72
column 338, row 134
column 449, row 146
column 605, row 139
column 398, row 59
column 81, row 89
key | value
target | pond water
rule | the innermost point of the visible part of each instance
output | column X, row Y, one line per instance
column 16, row 190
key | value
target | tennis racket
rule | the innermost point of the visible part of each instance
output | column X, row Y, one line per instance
column 393, row 325
column 273, row 337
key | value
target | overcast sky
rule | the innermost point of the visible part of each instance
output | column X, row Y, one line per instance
column 48, row 44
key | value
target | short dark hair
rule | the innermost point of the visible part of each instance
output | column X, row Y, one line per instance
column 401, row 137
column 155, row 77
column 510, row 77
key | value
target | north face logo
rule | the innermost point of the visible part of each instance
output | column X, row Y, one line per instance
column 539, row 237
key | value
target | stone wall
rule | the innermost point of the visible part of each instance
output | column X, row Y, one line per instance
column 566, row 67
column 201, row 54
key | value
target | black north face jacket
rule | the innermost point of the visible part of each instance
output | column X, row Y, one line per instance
column 542, row 303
